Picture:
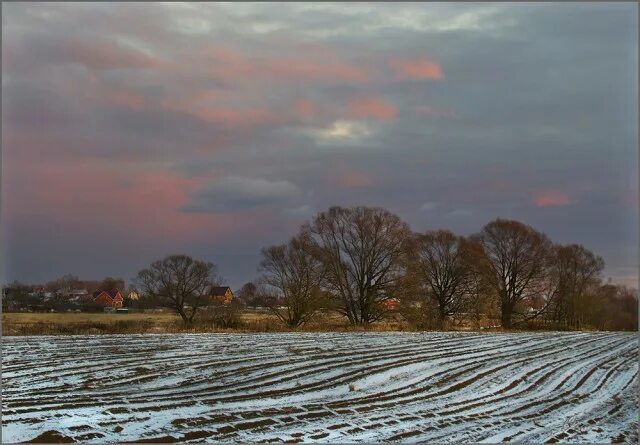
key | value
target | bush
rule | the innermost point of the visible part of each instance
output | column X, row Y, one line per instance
column 225, row 316
column 422, row 316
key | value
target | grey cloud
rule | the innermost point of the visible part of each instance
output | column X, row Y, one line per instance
column 234, row 193
column 459, row 213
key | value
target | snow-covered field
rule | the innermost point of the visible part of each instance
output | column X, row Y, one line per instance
column 331, row 387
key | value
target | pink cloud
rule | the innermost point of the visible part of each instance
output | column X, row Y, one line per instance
column 371, row 107
column 417, row 69
column 310, row 70
column 305, row 109
column 125, row 201
column 356, row 179
column 347, row 177
column 116, row 200
column 248, row 117
column 213, row 82
column 236, row 66
column 552, row 198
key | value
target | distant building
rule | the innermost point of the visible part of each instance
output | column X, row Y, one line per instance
column 391, row 304
column 107, row 298
column 76, row 295
column 79, row 293
column 221, row 295
column 38, row 291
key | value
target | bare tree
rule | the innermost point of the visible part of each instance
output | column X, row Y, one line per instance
column 296, row 276
column 576, row 270
column 248, row 294
column 181, row 283
column 438, row 261
column 63, row 284
column 517, row 266
column 361, row 250
column 111, row 284
column 624, row 310
column 481, row 301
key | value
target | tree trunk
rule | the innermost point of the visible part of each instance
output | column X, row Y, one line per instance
column 507, row 311
column 180, row 311
column 192, row 316
column 442, row 317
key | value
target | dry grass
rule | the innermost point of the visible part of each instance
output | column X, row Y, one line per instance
column 74, row 323
column 79, row 323
column 86, row 317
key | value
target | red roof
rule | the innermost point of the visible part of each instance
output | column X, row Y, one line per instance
column 111, row 293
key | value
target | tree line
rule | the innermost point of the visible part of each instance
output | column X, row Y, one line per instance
column 358, row 260
column 365, row 263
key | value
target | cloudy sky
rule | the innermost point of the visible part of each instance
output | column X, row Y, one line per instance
column 132, row 131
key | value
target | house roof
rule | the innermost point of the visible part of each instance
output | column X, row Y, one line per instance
column 219, row 290
column 110, row 293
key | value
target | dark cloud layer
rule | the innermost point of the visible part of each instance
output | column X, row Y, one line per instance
column 131, row 131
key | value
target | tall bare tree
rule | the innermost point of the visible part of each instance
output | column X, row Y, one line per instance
column 517, row 263
column 576, row 270
column 480, row 299
column 442, row 272
column 181, row 283
column 361, row 250
column 296, row 276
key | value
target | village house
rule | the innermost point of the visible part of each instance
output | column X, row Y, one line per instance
column 221, row 295
column 41, row 292
column 73, row 292
column 75, row 295
column 104, row 298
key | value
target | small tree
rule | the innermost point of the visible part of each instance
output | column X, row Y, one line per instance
column 296, row 276
column 181, row 283
column 17, row 296
column 248, row 294
column 223, row 314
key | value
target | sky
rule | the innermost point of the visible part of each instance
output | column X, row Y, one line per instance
column 136, row 130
